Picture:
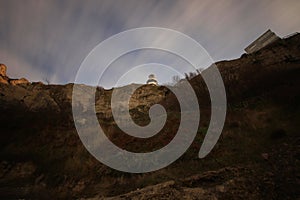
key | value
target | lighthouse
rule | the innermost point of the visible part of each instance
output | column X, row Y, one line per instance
column 152, row 80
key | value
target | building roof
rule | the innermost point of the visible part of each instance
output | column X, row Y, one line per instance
column 265, row 39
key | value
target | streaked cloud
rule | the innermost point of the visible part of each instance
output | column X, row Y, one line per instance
column 50, row 39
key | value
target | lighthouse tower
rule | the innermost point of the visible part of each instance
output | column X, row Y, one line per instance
column 152, row 80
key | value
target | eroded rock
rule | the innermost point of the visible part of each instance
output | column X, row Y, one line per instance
column 19, row 81
column 3, row 80
column 6, row 80
column 3, row 69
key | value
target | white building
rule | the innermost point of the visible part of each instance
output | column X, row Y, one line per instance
column 265, row 39
column 152, row 80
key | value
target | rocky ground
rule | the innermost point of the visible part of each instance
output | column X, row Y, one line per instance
column 257, row 156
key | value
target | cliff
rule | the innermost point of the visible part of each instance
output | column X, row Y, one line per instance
column 257, row 156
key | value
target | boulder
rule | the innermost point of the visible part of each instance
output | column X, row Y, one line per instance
column 18, row 81
column 3, row 69
column 3, row 80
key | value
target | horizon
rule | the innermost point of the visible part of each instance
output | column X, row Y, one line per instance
column 49, row 40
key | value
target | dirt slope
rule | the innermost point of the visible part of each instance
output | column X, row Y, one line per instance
column 257, row 156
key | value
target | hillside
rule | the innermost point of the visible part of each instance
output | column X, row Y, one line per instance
column 257, row 156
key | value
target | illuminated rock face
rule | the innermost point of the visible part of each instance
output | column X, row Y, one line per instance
column 19, row 81
column 3, row 70
column 4, row 79
column 152, row 80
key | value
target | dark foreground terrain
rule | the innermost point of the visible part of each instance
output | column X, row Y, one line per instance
column 257, row 156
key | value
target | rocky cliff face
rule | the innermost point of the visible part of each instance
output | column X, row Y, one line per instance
column 4, row 79
column 257, row 73
column 257, row 156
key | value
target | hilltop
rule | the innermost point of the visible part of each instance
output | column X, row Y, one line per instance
column 257, row 156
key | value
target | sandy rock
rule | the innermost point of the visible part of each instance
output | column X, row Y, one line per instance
column 79, row 187
column 19, row 81
column 6, row 80
column 3, row 69
column 39, row 179
column 3, row 80
column 220, row 188
column 265, row 156
column 22, row 169
column 37, row 83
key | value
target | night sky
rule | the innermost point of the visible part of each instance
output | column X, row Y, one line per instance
column 49, row 39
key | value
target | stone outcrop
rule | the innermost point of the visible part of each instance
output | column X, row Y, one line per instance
column 3, row 69
column 139, row 102
column 219, row 184
column 256, row 157
column 4, row 79
column 18, row 81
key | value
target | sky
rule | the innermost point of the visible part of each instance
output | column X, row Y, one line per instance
column 48, row 40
